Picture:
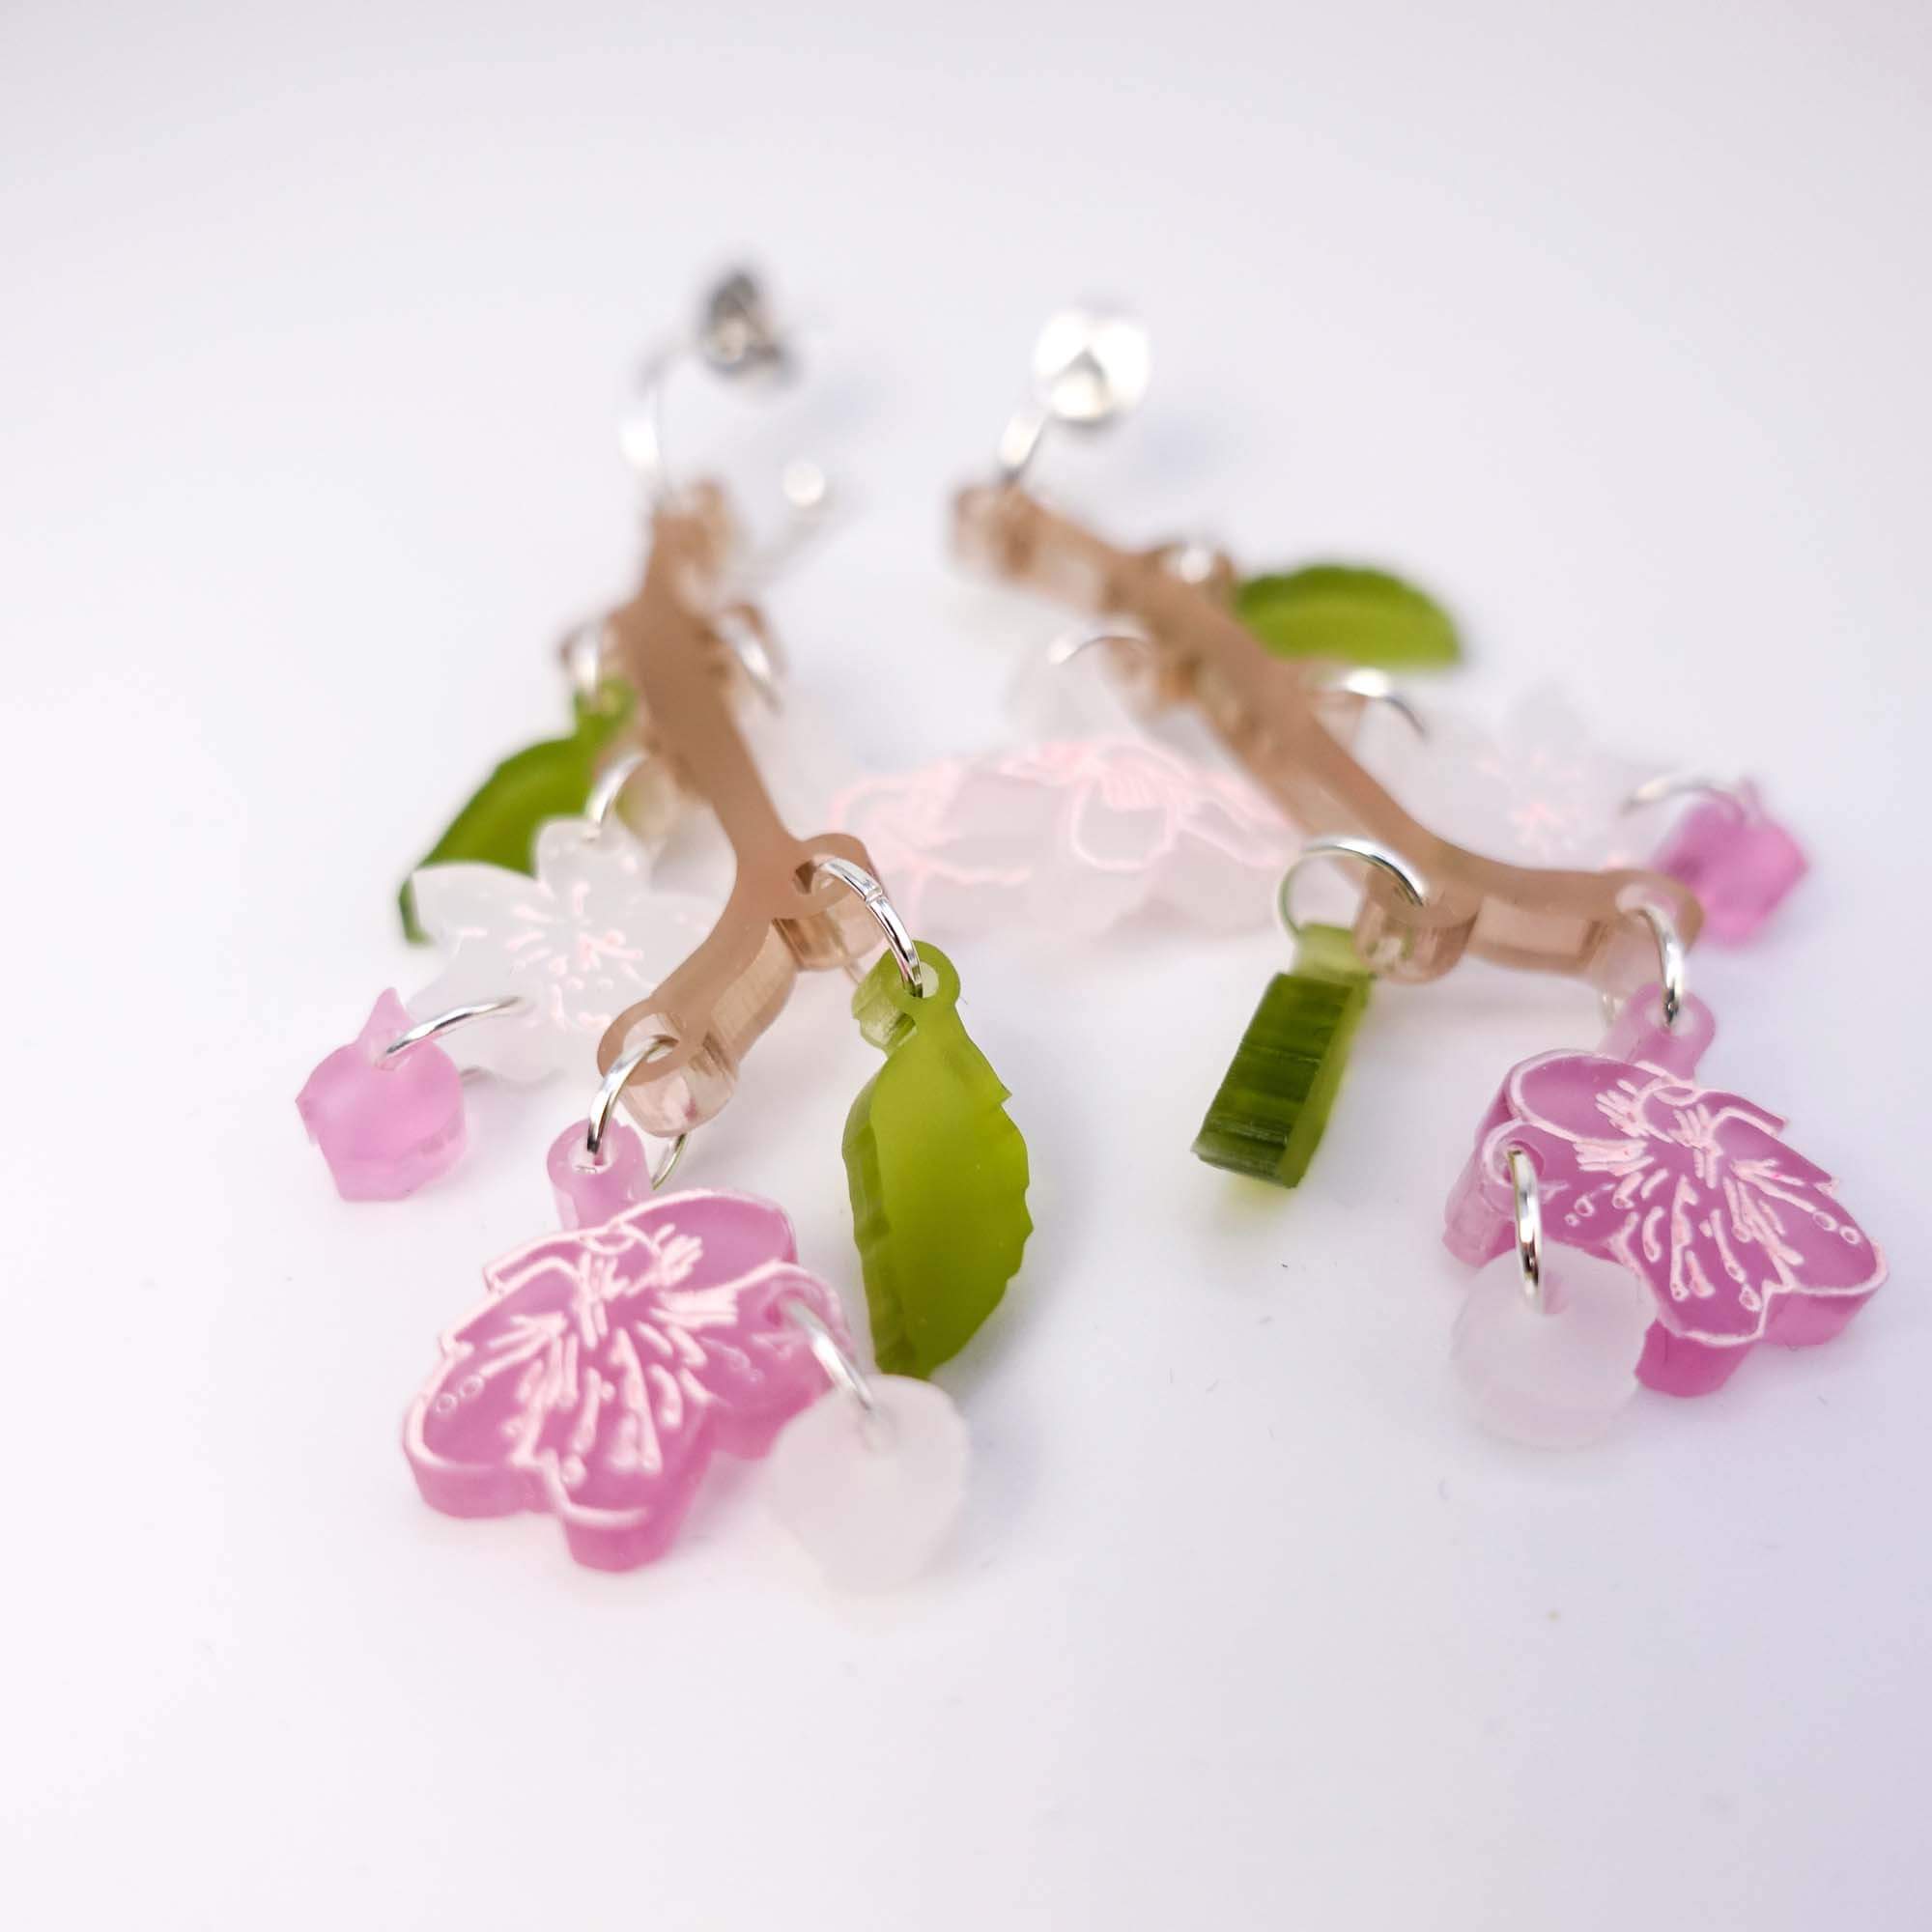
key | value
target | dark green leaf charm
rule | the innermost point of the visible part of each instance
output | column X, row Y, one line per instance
column 499, row 824
column 1275, row 1098
column 937, row 1171
column 1337, row 611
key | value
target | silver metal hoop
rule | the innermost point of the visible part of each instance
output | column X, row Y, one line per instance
column 1068, row 645
column 1408, row 882
column 610, row 787
column 913, row 970
column 840, row 1370
column 1377, row 687
column 1664, row 786
column 748, row 644
column 1527, row 1214
column 652, row 1047
column 451, row 1018
column 1670, row 958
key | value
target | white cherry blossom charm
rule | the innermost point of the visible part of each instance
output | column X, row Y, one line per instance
column 583, row 938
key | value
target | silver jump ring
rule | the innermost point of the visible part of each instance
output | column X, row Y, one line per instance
column 610, row 787
column 1671, row 967
column 1067, row 647
column 1688, row 784
column 1377, row 687
column 582, row 655
column 1407, row 881
column 626, row 1064
column 1527, row 1207
column 911, row 968
column 754, row 653
column 840, row 1370
column 453, row 1017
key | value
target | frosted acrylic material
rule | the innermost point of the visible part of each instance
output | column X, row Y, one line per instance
column 872, row 1500
column 1554, row 1377
column 610, row 1364
column 1073, row 834
column 585, row 937
column 590, row 1190
column 1536, row 790
column 1739, row 861
column 386, row 1125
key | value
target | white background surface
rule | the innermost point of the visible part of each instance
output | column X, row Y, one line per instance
column 1608, row 322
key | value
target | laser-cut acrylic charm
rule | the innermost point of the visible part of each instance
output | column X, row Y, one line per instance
column 610, row 1364
column 871, row 1478
column 1267, row 1115
column 1737, row 1238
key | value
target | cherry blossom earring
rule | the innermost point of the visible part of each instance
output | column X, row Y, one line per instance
column 614, row 1357
column 1660, row 1227
column 1095, row 819
column 1688, row 1230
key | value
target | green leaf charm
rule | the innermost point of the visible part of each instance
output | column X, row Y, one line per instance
column 1275, row 1098
column 1337, row 611
column 551, row 779
column 937, row 1171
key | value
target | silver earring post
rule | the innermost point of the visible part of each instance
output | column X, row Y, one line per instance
column 1090, row 368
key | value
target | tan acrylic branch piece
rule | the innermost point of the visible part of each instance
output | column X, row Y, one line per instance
column 1269, row 713
column 780, row 917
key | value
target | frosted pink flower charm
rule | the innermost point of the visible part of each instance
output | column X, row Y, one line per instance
column 1078, row 832
column 1739, row 1239
column 610, row 1364
column 1740, row 862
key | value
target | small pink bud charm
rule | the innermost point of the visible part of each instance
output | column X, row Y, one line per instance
column 387, row 1124
column 592, row 1188
column 610, row 1364
column 1739, row 861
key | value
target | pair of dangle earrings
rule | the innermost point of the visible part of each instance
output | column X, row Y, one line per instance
column 610, row 1359
column 1629, row 1224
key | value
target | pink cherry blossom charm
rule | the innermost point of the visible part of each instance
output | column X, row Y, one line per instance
column 609, row 1365
column 386, row 1123
column 1739, row 861
column 1739, row 1239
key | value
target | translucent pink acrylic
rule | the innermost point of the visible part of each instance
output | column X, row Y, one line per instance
column 1740, row 861
column 386, row 1125
column 610, row 1364
column 1738, row 1237
column 591, row 1189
